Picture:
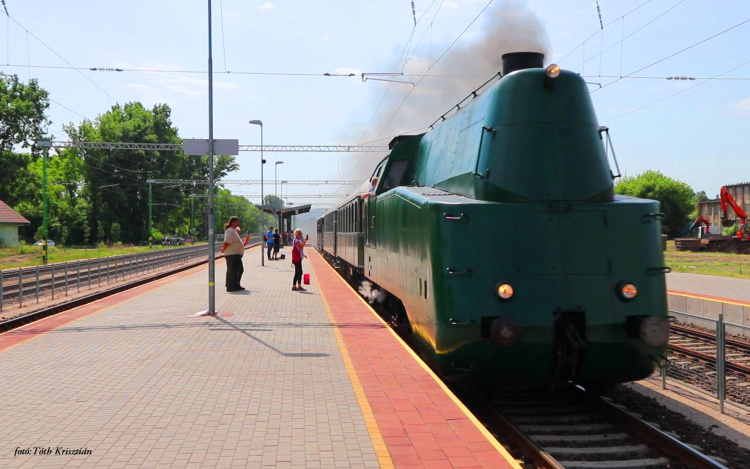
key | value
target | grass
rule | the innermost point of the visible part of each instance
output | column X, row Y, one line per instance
column 707, row 263
column 26, row 256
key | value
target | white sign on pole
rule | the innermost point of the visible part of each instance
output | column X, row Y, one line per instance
column 199, row 146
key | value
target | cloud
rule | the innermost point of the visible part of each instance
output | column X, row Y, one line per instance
column 742, row 106
column 266, row 6
column 450, row 5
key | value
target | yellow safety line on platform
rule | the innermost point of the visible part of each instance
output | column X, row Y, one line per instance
column 492, row 440
column 378, row 443
column 699, row 297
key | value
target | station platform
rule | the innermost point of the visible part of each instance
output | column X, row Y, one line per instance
column 278, row 378
column 710, row 286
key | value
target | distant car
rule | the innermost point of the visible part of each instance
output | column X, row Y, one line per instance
column 172, row 241
column 49, row 243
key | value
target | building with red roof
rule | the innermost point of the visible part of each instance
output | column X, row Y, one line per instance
column 10, row 220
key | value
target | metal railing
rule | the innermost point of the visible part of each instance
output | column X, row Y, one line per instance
column 23, row 286
column 710, row 355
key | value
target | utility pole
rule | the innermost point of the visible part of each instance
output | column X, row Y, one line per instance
column 150, row 226
column 211, row 215
column 192, row 208
column 45, row 144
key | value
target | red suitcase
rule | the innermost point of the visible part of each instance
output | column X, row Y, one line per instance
column 306, row 279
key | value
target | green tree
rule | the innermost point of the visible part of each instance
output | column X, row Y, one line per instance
column 676, row 197
column 114, row 231
column 273, row 202
column 100, row 235
column 116, row 179
column 22, row 122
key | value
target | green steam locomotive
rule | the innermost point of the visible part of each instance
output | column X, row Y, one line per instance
column 496, row 238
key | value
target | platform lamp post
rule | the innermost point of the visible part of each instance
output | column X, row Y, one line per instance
column 275, row 176
column 282, row 192
column 262, row 162
column 45, row 145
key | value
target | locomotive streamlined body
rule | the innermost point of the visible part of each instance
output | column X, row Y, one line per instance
column 502, row 244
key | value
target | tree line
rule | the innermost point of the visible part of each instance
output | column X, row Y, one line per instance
column 102, row 195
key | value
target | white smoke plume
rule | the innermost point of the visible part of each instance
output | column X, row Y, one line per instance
column 506, row 26
column 372, row 294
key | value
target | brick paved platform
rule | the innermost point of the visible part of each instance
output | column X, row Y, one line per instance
column 137, row 382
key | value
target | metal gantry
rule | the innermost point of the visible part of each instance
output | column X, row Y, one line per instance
column 251, row 182
column 178, row 147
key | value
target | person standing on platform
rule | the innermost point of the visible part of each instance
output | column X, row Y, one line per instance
column 276, row 244
column 233, row 249
column 269, row 241
column 298, row 253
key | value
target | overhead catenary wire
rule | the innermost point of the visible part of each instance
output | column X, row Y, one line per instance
column 599, row 30
column 585, row 61
column 436, row 61
column 675, row 53
column 679, row 92
column 220, row 72
column 60, row 56
column 223, row 43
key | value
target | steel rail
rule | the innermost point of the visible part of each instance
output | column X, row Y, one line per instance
column 710, row 336
column 13, row 323
column 709, row 359
column 664, row 442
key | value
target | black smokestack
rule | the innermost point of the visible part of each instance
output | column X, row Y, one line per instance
column 521, row 60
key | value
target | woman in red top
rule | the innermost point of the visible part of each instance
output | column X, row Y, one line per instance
column 298, row 253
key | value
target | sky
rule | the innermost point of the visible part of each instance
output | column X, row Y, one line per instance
column 697, row 136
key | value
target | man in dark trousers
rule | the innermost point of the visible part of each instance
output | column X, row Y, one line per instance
column 276, row 244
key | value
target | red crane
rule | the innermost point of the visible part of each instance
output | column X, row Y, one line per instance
column 743, row 234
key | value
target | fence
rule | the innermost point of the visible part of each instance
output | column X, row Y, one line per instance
column 711, row 355
column 19, row 287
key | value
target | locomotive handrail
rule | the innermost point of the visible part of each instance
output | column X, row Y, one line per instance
column 657, row 270
column 466, row 272
column 448, row 216
column 655, row 216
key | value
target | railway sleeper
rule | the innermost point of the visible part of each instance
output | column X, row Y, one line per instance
column 581, row 439
column 580, row 429
column 532, row 411
column 554, row 419
column 591, row 450
column 633, row 464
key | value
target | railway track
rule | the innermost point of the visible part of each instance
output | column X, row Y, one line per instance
column 692, row 359
column 18, row 321
column 570, row 429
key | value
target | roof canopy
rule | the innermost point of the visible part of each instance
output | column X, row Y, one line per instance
column 8, row 215
column 288, row 212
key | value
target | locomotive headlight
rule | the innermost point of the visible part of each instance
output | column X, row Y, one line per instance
column 655, row 331
column 504, row 291
column 627, row 291
column 553, row 71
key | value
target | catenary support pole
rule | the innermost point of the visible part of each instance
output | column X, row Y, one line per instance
column 211, row 214
column 45, row 196
column 150, row 216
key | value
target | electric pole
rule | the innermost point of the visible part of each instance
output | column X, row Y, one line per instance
column 150, row 226
column 45, row 154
